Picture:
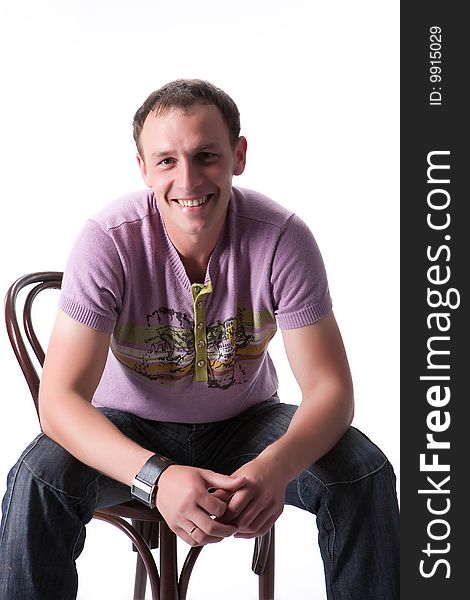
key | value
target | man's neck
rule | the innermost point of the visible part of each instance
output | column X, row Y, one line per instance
column 195, row 251
column 195, row 270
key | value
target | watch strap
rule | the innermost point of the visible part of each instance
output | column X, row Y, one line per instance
column 145, row 482
column 153, row 468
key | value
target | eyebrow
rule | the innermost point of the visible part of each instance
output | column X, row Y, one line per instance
column 161, row 153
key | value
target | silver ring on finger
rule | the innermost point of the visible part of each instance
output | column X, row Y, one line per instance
column 192, row 530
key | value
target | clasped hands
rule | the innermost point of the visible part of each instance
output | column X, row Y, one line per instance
column 204, row 507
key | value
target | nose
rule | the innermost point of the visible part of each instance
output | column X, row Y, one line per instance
column 188, row 177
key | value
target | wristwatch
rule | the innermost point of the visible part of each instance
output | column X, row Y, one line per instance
column 145, row 483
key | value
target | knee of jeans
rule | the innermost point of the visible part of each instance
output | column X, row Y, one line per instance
column 354, row 457
column 49, row 463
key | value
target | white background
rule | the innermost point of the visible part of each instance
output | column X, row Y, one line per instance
column 317, row 86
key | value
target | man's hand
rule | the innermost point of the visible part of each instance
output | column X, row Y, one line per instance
column 186, row 503
column 254, row 508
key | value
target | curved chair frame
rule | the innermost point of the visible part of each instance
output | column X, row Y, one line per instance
column 148, row 528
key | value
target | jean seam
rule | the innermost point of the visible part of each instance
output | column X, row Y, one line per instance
column 8, row 504
column 332, row 559
column 379, row 468
column 12, row 486
column 82, row 527
column 391, row 476
column 299, row 494
column 85, row 496
column 325, row 485
column 52, row 487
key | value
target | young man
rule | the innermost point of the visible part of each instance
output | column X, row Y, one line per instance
column 158, row 366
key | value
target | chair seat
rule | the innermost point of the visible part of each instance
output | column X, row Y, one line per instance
column 133, row 510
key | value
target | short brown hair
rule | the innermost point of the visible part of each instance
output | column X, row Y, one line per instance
column 184, row 93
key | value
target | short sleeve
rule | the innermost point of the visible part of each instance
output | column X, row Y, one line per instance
column 298, row 278
column 92, row 287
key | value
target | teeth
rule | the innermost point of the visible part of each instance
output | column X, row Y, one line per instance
column 197, row 202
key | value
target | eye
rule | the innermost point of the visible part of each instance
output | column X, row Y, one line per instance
column 166, row 161
column 205, row 156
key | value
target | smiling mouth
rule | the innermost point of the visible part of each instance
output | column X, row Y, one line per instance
column 194, row 203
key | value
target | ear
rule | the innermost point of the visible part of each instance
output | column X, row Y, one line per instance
column 240, row 156
column 143, row 169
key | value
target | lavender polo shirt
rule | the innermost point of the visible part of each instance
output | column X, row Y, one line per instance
column 192, row 353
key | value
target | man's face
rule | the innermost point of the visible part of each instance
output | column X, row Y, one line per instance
column 189, row 162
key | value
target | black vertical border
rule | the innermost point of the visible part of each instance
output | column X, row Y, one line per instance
column 426, row 128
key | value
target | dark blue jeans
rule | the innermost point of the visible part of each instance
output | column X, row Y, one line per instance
column 51, row 496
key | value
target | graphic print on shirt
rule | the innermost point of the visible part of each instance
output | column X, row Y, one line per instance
column 164, row 351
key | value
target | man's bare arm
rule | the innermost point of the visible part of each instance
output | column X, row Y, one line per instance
column 318, row 361
column 74, row 363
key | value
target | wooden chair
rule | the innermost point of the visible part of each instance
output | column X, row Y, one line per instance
column 147, row 528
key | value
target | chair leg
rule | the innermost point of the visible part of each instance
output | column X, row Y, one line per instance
column 168, row 564
column 266, row 578
column 140, row 579
column 149, row 530
column 187, row 570
column 141, row 545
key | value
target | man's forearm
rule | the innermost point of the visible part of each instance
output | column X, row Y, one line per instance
column 91, row 438
column 321, row 419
